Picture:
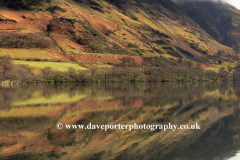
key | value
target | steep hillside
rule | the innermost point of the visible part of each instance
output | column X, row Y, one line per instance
column 152, row 33
column 23, row 4
column 219, row 19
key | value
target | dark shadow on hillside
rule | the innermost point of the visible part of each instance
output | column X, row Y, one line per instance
column 190, row 55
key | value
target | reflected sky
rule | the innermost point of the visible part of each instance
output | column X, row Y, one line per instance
column 237, row 157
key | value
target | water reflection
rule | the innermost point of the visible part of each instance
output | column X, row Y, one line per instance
column 236, row 157
column 29, row 114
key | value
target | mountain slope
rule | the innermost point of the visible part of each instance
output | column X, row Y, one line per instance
column 112, row 32
column 219, row 19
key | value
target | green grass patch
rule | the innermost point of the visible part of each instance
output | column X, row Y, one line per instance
column 60, row 66
column 56, row 99
column 216, row 70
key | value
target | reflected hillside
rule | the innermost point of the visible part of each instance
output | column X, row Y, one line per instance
column 220, row 141
column 28, row 121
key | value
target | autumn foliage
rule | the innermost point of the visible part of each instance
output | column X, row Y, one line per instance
column 17, row 40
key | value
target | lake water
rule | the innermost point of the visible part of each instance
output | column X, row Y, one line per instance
column 33, row 121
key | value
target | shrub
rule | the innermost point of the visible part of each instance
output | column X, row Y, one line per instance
column 220, row 62
column 109, row 32
column 20, row 74
column 17, row 40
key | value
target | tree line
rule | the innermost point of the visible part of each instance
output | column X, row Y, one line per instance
column 17, row 40
column 165, row 72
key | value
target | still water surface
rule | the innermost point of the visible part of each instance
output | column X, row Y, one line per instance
column 29, row 114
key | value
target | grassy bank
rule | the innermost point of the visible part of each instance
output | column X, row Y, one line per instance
column 57, row 66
